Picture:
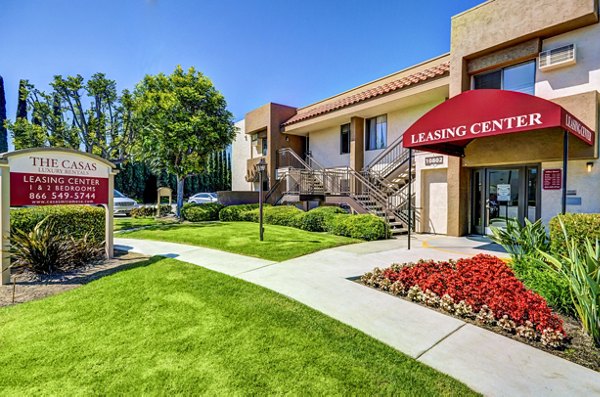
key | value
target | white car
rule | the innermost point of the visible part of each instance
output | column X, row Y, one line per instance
column 202, row 198
column 123, row 204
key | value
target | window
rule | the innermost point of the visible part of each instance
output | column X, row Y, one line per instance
column 345, row 139
column 376, row 133
column 520, row 78
column 265, row 146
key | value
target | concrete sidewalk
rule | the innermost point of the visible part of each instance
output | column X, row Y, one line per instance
column 485, row 361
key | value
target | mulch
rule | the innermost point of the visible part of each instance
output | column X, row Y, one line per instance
column 28, row 286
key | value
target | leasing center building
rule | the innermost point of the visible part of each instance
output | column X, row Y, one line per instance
column 504, row 126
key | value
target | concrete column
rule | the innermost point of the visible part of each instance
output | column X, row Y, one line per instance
column 5, row 219
column 357, row 143
column 458, row 197
column 110, row 208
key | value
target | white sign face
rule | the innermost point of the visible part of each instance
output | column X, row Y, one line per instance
column 503, row 192
column 57, row 163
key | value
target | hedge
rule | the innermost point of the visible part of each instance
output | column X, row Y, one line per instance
column 549, row 284
column 235, row 213
column 201, row 212
column 72, row 220
column 316, row 220
column 578, row 227
column 331, row 219
column 150, row 210
column 365, row 226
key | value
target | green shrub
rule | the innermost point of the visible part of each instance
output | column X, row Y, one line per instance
column 580, row 268
column 67, row 220
column 365, row 226
column 234, row 213
column 316, row 219
column 43, row 250
column 522, row 241
column 38, row 249
column 150, row 211
column 577, row 226
column 548, row 283
column 283, row 216
column 201, row 212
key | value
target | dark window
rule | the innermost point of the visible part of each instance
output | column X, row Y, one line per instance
column 376, row 133
column 488, row 80
column 345, row 139
column 520, row 78
column 264, row 146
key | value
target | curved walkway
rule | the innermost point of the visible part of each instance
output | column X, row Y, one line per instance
column 487, row 362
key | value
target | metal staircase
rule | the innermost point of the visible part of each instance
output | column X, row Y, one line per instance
column 381, row 188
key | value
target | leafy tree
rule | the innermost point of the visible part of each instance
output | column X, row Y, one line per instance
column 105, row 128
column 27, row 135
column 180, row 120
column 3, row 131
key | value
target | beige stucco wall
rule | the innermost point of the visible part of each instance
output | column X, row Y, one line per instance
column 582, row 77
column 399, row 121
column 431, row 195
column 240, row 153
column 586, row 186
column 325, row 148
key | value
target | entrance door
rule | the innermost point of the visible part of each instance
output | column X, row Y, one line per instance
column 500, row 194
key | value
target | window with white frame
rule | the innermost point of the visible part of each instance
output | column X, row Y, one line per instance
column 376, row 133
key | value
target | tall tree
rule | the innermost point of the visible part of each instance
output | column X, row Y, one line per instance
column 3, row 131
column 180, row 120
column 22, row 103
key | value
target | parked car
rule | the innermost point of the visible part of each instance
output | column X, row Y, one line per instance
column 123, row 204
column 201, row 198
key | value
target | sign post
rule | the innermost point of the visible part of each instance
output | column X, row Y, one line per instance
column 53, row 176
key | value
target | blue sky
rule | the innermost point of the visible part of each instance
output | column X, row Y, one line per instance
column 290, row 52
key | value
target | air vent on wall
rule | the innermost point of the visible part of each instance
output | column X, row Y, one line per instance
column 558, row 57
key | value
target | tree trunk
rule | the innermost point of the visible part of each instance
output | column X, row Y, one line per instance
column 180, row 185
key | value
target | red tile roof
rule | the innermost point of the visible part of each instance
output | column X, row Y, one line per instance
column 419, row 77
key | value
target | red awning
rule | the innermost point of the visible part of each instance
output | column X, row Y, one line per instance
column 450, row 126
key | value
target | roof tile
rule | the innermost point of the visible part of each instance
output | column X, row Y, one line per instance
column 383, row 89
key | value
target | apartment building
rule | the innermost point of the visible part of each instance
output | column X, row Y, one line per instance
column 504, row 126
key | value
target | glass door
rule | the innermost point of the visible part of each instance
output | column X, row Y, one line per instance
column 503, row 187
column 500, row 194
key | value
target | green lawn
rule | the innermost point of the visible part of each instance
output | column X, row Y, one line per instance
column 133, row 223
column 280, row 242
column 168, row 327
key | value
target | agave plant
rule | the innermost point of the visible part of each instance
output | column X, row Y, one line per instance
column 39, row 250
column 581, row 268
column 521, row 241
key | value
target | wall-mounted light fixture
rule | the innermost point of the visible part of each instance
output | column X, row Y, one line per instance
column 287, row 138
column 589, row 165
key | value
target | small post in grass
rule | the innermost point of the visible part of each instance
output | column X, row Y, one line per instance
column 261, row 167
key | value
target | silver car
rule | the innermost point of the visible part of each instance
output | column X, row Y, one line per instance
column 202, row 198
column 123, row 204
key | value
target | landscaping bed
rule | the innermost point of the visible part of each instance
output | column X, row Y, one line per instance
column 30, row 286
column 484, row 291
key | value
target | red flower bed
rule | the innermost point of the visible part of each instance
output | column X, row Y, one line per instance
column 483, row 283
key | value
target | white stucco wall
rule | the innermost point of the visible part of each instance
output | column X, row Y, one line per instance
column 325, row 148
column 582, row 77
column 586, row 185
column 240, row 153
column 399, row 121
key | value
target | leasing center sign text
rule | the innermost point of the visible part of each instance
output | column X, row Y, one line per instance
column 477, row 129
column 48, row 178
